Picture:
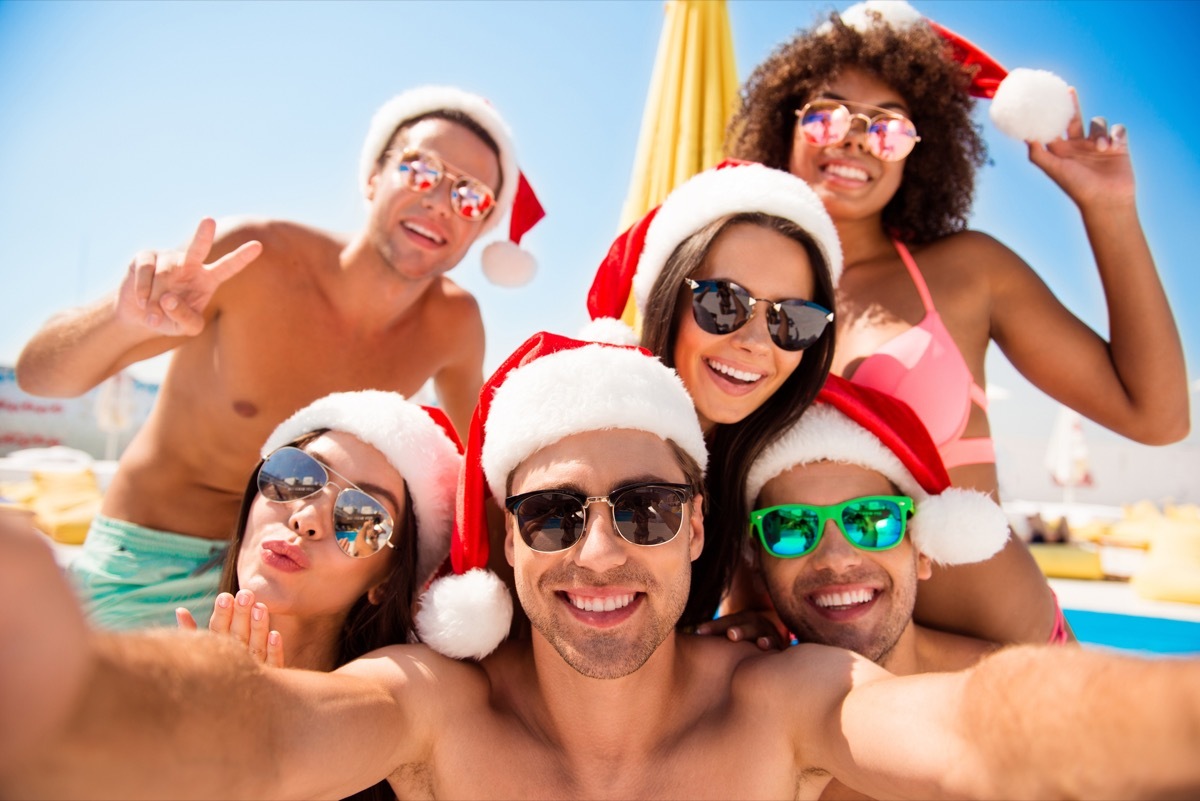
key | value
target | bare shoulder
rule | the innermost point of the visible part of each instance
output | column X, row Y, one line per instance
column 970, row 253
column 280, row 238
column 417, row 671
column 943, row 651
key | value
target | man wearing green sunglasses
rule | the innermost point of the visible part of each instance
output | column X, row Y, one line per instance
column 607, row 699
column 852, row 507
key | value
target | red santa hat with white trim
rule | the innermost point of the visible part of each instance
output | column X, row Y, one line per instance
column 1027, row 104
column 419, row 441
column 551, row 388
column 504, row 262
column 858, row 425
column 637, row 257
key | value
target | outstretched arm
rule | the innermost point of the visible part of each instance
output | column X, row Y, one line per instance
column 1136, row 382
column 458, row 383
column 1026, row 722
column 163, row 297
column 168, row 714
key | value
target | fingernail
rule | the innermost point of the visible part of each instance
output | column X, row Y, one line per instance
column 243, row 597
column 224, row 600
column 273, row 638
column 1102, row 144
column 735, row 634
column 169, row 302
column 257, row 612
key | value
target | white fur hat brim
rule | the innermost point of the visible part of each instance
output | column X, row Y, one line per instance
column 425, row 100
column 419, row 449
column 590, row 388
column 954, row 526
column 714, row 194
column 465, row 616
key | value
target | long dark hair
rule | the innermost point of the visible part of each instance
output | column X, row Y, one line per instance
column 734, row 447
column 368, row 625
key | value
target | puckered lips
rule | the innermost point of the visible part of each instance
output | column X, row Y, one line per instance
column 601, row 607
column 282, row 555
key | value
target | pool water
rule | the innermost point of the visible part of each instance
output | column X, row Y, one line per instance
column 1135, row 633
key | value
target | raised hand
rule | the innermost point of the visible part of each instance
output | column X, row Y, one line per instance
column 167, row 291
column 1092, row 168
column 244, row 620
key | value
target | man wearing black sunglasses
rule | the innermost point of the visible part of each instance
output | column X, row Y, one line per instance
column 607, row 700
column 264, row 316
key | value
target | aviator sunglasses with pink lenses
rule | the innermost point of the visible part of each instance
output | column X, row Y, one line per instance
column 422, row 171
column 890, row 136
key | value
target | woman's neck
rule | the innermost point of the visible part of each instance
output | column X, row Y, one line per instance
column 308, row 643
column 863, row 239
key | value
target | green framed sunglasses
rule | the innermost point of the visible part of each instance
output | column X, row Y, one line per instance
column 871, row 523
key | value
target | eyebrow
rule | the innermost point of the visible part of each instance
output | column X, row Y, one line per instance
column 644, row 478
column 891, row 105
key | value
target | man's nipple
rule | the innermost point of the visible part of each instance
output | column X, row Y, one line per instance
column 245, row 408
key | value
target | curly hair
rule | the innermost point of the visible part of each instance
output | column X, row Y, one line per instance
column 935, row 197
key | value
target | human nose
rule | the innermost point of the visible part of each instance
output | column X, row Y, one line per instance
column 856, row 135
column 312, row 517
column 602, row 548
column 834, row 552
column 439, row 197
column 755, row 335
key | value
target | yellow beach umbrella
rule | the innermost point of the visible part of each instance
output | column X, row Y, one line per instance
column 692, row 94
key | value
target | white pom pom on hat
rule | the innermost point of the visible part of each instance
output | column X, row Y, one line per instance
column 858, row 425
column 418, row 441
column 551, row 387
column 637, row 257
column 1030, row 105
column 507, row 265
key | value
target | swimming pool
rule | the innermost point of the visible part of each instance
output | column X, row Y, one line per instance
column 1135, row 633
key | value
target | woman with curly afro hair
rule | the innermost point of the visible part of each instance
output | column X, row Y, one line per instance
column 875, row 114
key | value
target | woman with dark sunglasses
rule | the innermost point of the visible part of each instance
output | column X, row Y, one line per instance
column 733, row 279
column 875, row 114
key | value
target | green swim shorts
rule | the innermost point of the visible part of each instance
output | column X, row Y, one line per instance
column 131, row 577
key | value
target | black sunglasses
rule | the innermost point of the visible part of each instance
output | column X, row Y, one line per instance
column 720, row 306
column 643, row 514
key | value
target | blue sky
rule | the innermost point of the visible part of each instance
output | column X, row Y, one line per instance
column 122, row 123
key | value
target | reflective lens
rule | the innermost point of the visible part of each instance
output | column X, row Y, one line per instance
column 422, row 172
column 643, row 514
column 721, row 307
column 362, row 525
column 874, row 523
column 890, row 136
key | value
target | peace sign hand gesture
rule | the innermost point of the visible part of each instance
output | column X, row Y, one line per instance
column 1093, row 168
column 168, row 291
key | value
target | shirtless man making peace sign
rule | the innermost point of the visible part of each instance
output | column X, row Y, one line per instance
column 263, row 317
column 606, row 700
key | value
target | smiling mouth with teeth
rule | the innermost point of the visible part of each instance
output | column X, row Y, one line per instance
column 425, row 232
column 844, row 171
column 609, row 604
column 843, row 600
column 734, row 373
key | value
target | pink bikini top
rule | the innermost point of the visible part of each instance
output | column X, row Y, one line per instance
column 924, row 368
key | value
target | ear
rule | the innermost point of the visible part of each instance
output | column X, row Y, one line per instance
column 924, row 566
column 375, row 594
column 696, row 528
column 509, row 548
column 372, row 184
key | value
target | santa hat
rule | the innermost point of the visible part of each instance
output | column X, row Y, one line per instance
column 504, row 262
column 857, row 425
column 1031, row 105
column 418, row 441
column 638, row 256
column 552, row 387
